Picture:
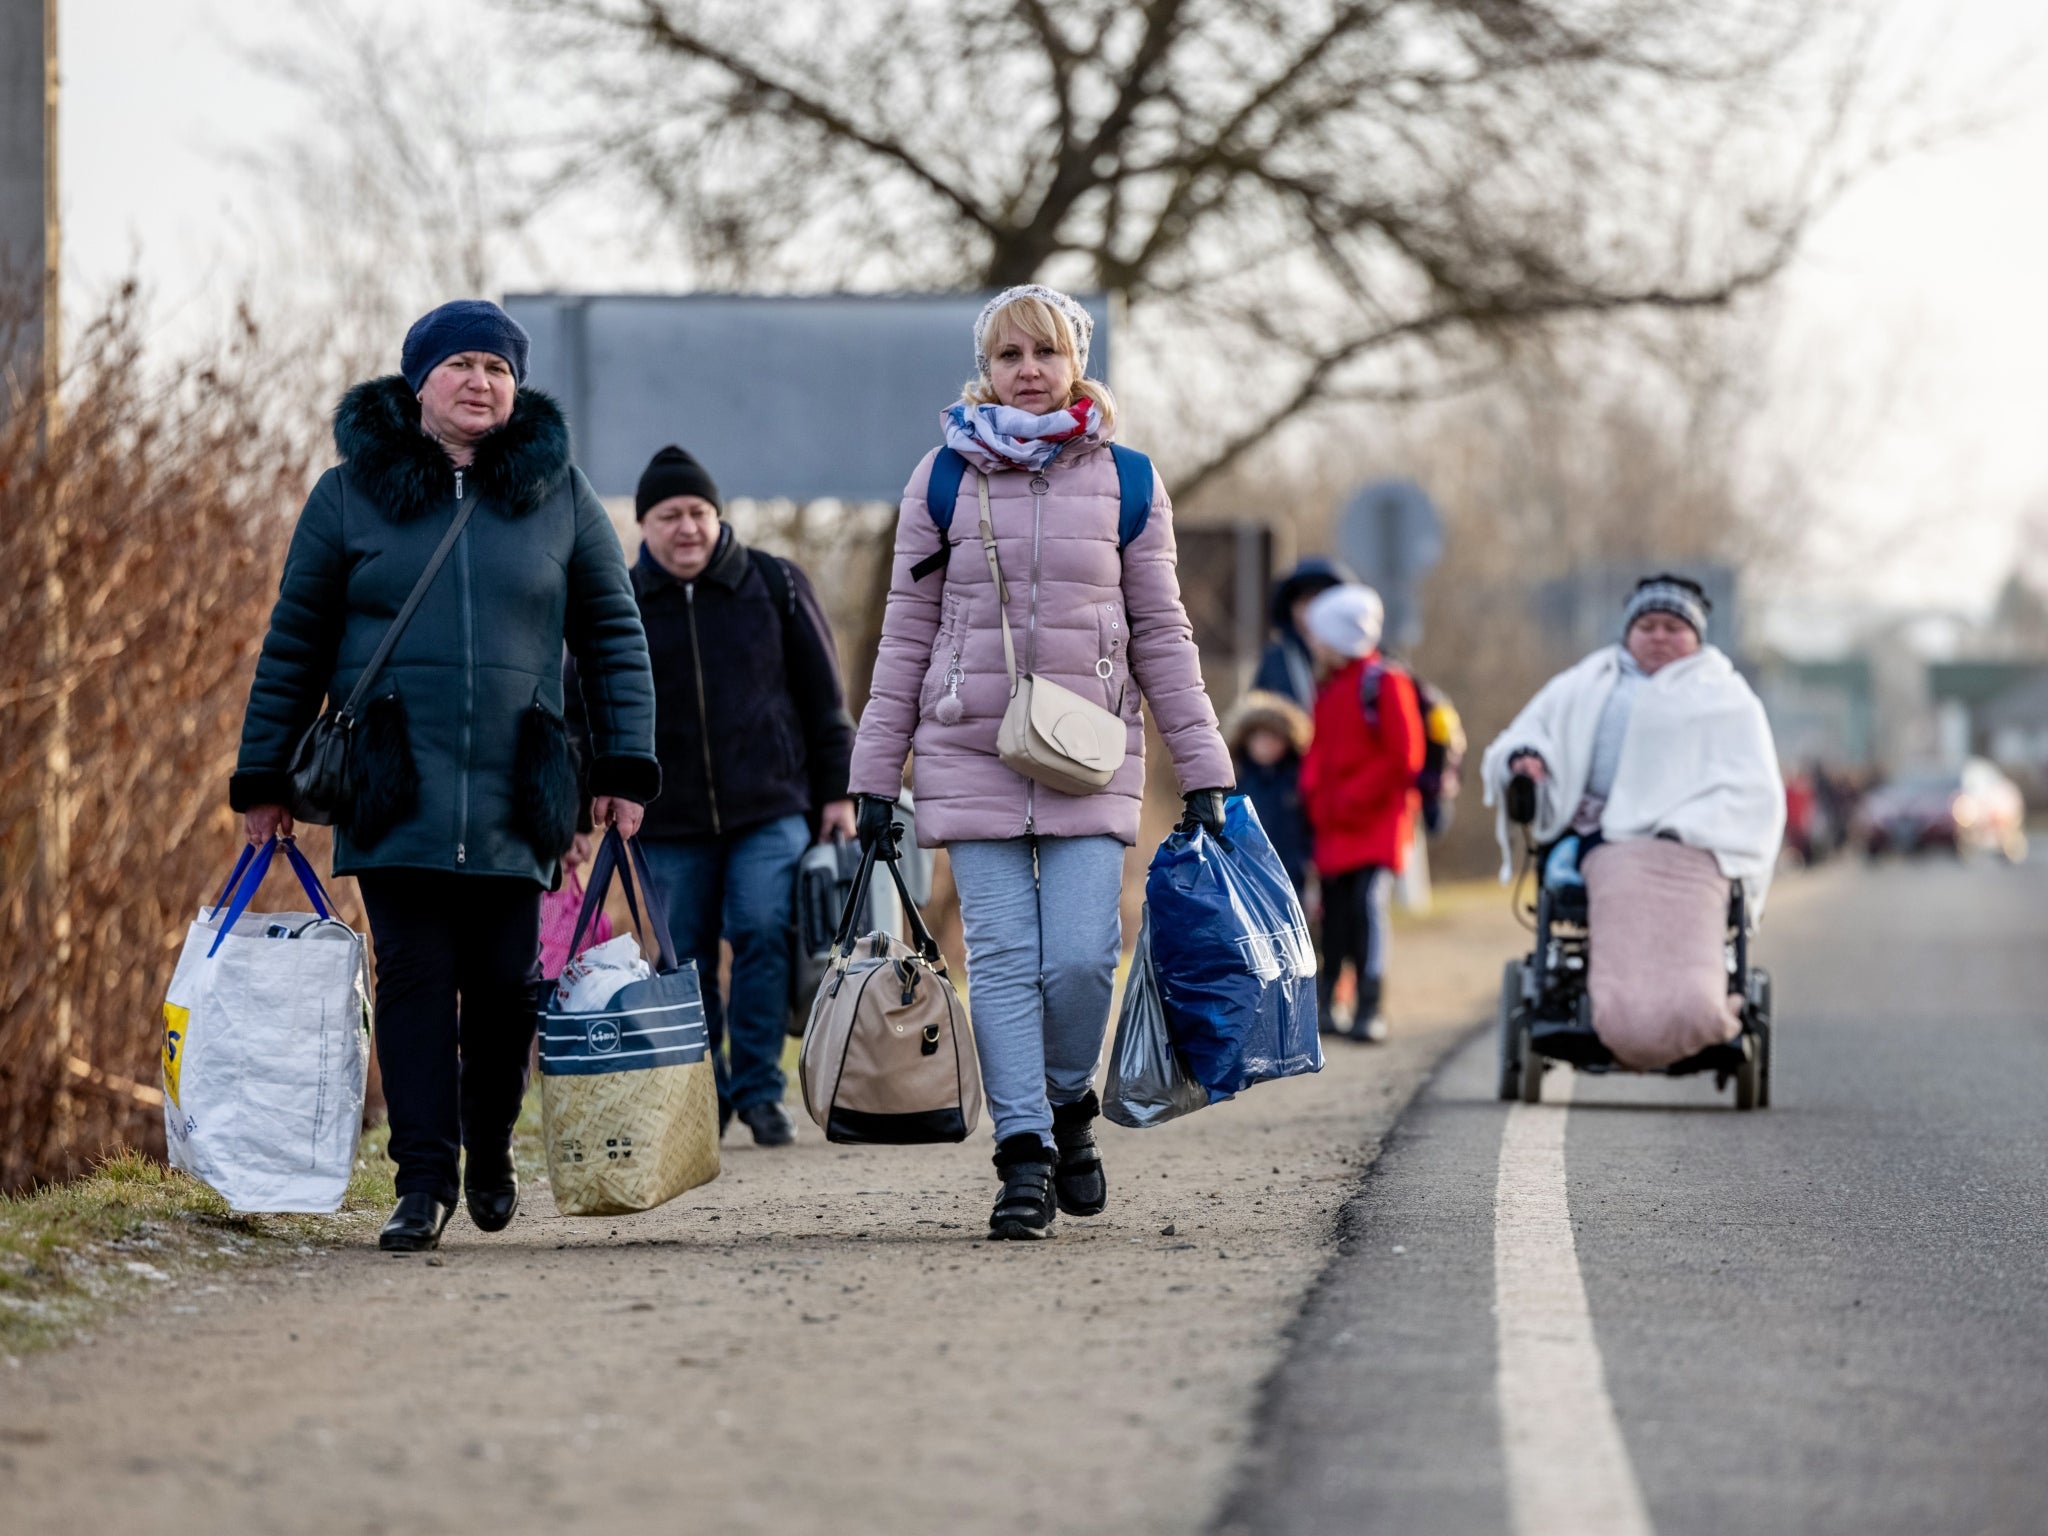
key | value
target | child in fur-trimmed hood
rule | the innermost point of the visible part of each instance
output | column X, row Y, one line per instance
column 1268, row 736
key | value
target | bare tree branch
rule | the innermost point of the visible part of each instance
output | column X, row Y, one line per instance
column 1401, row 177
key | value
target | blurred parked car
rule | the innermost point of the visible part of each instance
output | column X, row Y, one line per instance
column 1961, row 809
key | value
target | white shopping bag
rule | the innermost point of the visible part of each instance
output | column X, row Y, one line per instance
column 267, row 1047
column 591, row 980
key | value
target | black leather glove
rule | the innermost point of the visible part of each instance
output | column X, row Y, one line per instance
column 1205, row 808
column 1520, row 800
column 873, row 821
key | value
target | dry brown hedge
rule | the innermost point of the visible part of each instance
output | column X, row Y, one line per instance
column 140, row 539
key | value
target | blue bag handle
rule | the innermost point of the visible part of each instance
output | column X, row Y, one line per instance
column 252, row 871
column 322, row 902
column 241, row 864
column 613, row 851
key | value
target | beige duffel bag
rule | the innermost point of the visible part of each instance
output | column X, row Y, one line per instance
column 1049, row 734
column 887, row 1055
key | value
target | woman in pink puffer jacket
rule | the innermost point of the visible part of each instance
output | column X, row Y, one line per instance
column 1039, row 873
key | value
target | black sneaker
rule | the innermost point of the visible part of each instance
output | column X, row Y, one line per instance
column 770, row 1123
column 1024, row 1208
column 1077, row 1179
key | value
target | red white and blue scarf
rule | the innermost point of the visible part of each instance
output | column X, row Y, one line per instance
column 993, row 437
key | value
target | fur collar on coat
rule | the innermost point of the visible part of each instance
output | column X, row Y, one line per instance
column 405, row 472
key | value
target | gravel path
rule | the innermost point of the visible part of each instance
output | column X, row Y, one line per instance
column 820, row 1341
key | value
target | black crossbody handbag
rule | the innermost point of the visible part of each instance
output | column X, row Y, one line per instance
column 323, row 781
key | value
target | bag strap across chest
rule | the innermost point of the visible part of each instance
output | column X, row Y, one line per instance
column 995, row 574
column 1134, row 482
column 382, row 654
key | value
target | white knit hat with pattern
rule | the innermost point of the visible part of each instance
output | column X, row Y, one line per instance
column 1078, row 321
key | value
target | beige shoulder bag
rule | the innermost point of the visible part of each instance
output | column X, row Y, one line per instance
column 1049, row 734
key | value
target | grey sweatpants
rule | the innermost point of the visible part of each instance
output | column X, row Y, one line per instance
column 1042, row 943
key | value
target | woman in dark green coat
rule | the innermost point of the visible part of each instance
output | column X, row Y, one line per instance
column 467, row 786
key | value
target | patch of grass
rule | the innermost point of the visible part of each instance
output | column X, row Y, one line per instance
column 71, row 1253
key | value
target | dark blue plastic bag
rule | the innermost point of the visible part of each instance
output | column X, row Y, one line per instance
column 1231, row 950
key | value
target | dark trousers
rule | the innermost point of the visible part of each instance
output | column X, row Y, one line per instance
column 1355, row 918
column 741, row 886
column 457, row 956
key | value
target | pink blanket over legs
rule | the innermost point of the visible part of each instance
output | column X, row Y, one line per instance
column 1659, row 916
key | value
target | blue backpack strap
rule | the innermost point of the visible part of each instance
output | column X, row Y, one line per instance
column 1134, row 484
column 941, row 494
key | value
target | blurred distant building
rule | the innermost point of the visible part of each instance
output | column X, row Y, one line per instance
column 2015, row 732
column 1993, row 708
column 1821, row 711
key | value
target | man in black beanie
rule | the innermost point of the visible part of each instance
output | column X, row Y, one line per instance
column 754, row 739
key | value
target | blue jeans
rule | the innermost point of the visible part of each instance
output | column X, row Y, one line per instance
column 1041, row 920
column 742, row 888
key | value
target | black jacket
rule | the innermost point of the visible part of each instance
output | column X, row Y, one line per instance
column 750, row 720
column 465, row 761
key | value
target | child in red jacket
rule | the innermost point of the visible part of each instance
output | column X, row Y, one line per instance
column 1358, row 787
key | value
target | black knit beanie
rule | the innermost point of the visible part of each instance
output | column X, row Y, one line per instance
column 672, row 472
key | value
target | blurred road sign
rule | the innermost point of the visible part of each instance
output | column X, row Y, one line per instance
column 1390, row 534
column 798, row 397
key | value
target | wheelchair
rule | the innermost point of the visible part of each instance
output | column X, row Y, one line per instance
column 1546, row 1010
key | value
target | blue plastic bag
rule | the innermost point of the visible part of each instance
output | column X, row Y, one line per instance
column 1231, row 950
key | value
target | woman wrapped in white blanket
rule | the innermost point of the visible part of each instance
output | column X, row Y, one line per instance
column 1657, row 784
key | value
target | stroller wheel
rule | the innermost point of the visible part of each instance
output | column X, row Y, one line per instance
column 1749, row 1076
column 1532, row 1067
column 1761, row 1030
column 1510, row 1029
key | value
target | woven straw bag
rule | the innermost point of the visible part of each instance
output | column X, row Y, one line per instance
column 629, row 1103
column 887, row 1055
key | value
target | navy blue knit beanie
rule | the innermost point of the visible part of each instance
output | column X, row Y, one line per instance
column 461, row 325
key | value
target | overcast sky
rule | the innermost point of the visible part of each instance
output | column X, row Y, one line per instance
column 1918, row 305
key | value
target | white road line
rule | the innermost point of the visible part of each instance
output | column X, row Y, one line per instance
column 1568, row 1471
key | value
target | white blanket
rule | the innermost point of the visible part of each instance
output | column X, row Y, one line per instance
column 1699, row 763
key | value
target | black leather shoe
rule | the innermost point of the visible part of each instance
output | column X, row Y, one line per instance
column 1077, row 1179
column 1024, row 1209
column 770, row 1124
column 490, row 1188
column 415, row 1226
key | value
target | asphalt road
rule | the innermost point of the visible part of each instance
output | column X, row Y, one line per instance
column 1830, row 1316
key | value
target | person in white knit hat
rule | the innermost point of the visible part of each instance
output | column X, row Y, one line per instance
column 1358, row 785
